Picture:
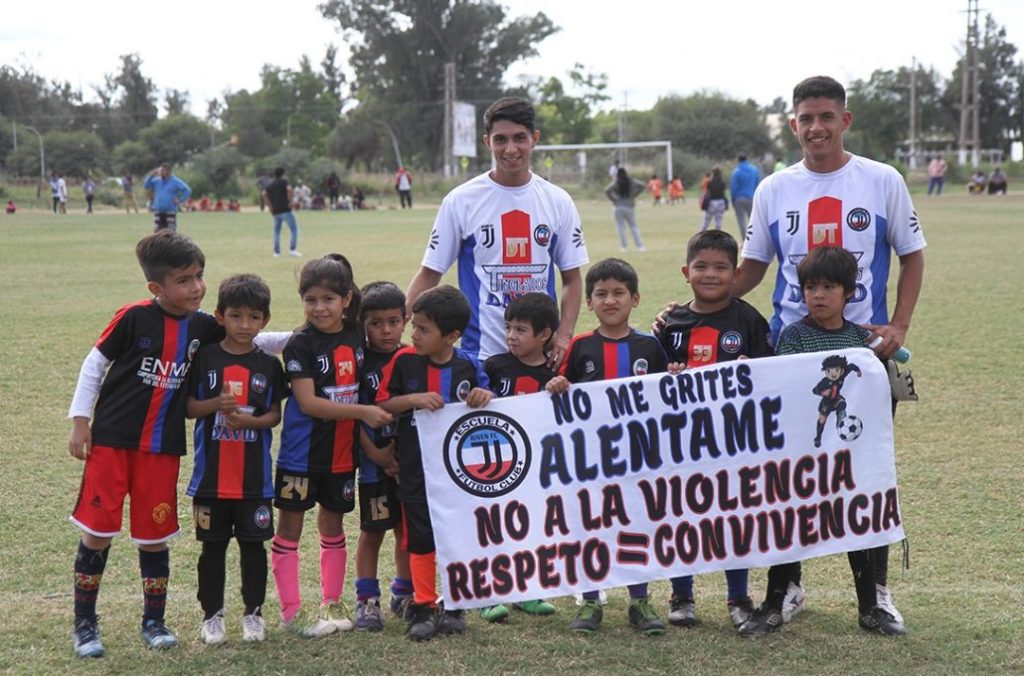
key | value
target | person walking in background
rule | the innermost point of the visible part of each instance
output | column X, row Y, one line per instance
column 745, row 178
column 278, row 197
column 54, row 190
column 62, row 193
column 403, row 184
column 89, row 189
column 128, row 185
column 714, row 202
column 261, row 184
column 622, row 192
column 937, row 174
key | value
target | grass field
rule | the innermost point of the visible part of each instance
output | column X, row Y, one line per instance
column 959, row 457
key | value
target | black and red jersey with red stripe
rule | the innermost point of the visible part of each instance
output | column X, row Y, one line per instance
column 592, row 357
column 698, row 339
column 141, row 405
column 510, row 377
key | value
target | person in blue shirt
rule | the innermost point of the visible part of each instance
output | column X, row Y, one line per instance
column 745, row 178
column 168, row 191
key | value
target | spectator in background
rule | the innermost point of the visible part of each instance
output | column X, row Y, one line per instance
column 358, row 198
column 622, row 192
column 976, row 185
column 89, row 190
column 676, row 191
column 745, row 178
column 54, row 190
column 261, row 184
column 332, row 184
column 278, row 196
column 62, row 193
column 997, row 182
column 11, row 207
column 128, row 186
column 715, row 202
column 169, row 191
column 654, row 186
column 403, row 184
column 937, row 174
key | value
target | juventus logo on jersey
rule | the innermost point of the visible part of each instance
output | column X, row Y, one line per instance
column 323, row 363
column 211, row 379
column 677, row 340
column 374, row 380
column 488, row 231
column 794, row 222
column 504, row 387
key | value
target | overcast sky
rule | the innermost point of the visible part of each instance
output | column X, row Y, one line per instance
column 648, row 48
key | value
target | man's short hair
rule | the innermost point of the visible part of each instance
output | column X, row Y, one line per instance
column 381, row 296
column 278, row 172
column 164, row 251
column 445, row 306
column 612, row 268
column 165, row 165
column 249, row 291
column 741, row 158
column 717, row 240
column 512, row 108
column 819, row 86
column 829, row 264
column 538, row 309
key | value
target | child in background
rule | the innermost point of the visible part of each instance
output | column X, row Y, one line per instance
column 316, row 463
column 235, row 391
column 713, row 327
column 429, row 375
column 530, row 322
column 383, row 317
column 614, row 350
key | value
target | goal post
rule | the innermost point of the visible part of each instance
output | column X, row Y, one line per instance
column 583, row 148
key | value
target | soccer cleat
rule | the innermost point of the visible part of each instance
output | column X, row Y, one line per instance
column 213, row 631
column 400, row 606
column 295, row 253
column 311, row 627
column 682, row 613
column 423, row 622
column 338, row 614
column 879, row 621
column 602, row 597
column 762, row 621
column 452, row 622
column 793, row 602
column 157, row 636
column 740, row 611
column 884, row 600
column 588, row 617
column 643, row 617
column 536, row 607
column 87, row 637
column 368, row 615
column 498, row 613
column 253, row 627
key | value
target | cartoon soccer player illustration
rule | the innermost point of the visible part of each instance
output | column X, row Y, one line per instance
column 836, row 369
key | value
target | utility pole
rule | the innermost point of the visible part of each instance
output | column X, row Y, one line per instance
column 449, row 100
column 969, row 90
column 913, row 113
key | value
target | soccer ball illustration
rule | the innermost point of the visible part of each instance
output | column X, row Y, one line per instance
column 850, row 428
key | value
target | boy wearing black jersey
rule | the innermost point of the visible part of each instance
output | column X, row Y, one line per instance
column 614, row 350
column 428, row 375
column 530, row 322
column 713, row 327
column 235, row 393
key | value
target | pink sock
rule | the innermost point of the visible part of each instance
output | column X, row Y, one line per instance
column 333, row 559
column 284, row 559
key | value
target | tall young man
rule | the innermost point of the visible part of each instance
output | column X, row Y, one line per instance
column 509, row 229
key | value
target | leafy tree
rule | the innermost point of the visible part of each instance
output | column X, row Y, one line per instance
column 137, row 105
column 133, row 157
column 563, row 118
column 399, row 48
column 295, row 161
column 75, row 153
column 360, row 138
column 242, row 116
column 711, row 125
column 220, row 168
column 176, row 102
column 176, row 138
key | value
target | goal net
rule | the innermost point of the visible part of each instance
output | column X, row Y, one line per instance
column 590, row 166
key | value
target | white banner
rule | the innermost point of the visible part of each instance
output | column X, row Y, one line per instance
column 638, row 479
column 464, row 136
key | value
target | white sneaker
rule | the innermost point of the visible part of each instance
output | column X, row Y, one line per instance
column 309, row 627
column 884, row 601
column 253, row 627
column 338, row 614
column 277, row 255
column 793, row 602
column 212, row 631
column 295, row 253
column 602, row 597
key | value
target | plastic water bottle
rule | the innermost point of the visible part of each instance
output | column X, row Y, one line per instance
column 901, row 356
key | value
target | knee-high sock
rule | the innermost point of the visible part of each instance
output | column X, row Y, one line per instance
column 89, row 566
column 284, row 558
column 211, row 573
column 155, row 568
column 253, row 561
column 333, row 559
column 424, row 585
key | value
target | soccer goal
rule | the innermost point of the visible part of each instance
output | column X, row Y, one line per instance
column 591, row 164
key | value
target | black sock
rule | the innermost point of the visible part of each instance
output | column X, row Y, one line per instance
column 253, row 560
column 89, row 566
column 821, row 428
column 211, row 570
column 155, row 568
column 881, row 556
column 863, row 567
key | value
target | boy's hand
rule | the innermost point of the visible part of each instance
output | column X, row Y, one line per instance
column 659, row 322
column 80, row 442
column 237, row 420
column 428, row 400
column 479, row 397
column 557, row 385
column 384, row 458
column 375, row 416
column 559, row 348
column 677, row 367
column 227, row 403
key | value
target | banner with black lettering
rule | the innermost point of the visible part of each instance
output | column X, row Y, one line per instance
column 736, row 465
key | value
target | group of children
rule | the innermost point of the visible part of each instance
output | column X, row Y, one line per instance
column 351, row 387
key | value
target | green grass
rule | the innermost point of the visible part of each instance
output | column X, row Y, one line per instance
column 959, row 456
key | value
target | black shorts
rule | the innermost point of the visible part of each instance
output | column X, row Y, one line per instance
column 379, row 509
column 419, row 532
column 165, row 219
column 218, row 519
column 300, row 491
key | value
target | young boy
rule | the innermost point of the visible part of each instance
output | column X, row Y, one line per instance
column 235, row 392
column 138, row 431
column 713, row 327
column 828, row 277
column 382, row 312
column 614, row 350
column 429, row 375
column 530, row 323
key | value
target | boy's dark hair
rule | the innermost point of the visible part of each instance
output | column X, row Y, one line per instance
column 830, row 264
column 445, row 306
column 834, row 361
column 819, row 86
column 612, row 268
column 333, row 272
column 537, row 308
column 381, row 296
column 511, row 108
column 240, row 291
column 717, row 240
column 164, row 251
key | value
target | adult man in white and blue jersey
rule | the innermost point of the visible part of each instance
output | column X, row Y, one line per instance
column 508, row 229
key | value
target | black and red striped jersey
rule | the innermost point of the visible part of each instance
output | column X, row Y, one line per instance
column 333, row 361
column 697, row 339
column 230, row 463
column 370, row 377
column 141, row 405
column 592, row 357
column 410, row 373
column 510, row 377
